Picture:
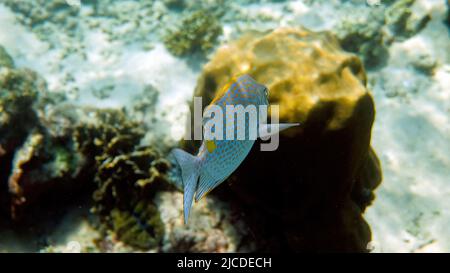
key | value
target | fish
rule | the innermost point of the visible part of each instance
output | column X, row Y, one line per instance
column 218, row 158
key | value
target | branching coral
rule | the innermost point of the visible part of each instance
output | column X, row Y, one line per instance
column 198, row 32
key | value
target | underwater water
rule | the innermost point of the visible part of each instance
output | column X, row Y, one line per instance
column 94, row 94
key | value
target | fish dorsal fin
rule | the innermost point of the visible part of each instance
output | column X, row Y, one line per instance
column 267, row 130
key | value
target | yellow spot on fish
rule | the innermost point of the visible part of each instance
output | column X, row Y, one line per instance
column 211, row 145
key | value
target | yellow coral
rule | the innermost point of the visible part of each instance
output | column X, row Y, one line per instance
column 303, row 71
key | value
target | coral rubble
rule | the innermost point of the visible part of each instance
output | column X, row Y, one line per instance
column 315, row 199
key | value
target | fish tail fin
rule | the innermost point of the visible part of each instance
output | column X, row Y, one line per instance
column 206, row 184
column 189, row 173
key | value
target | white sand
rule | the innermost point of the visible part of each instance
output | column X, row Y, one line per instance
column 412, row 138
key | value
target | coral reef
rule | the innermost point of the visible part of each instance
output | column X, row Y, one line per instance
column 41, row 13
column 141, row 227
column 106, row 132
column 363, row 35
column 60, row 148
column 318, row 194
column 19, row 90
column 402, row 22
column 127, row 184
column 44, row 166
column 62, row 151
column 370, row 32
column 38, row 157
column 126, row 177
column 197, row 32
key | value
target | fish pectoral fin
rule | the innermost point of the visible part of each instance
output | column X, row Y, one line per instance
column 206, row 184
column 267, row 130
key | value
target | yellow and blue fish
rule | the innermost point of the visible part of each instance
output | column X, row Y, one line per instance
column 217, row 159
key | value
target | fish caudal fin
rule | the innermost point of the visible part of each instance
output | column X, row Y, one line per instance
column 206, row 184
column 189, row 173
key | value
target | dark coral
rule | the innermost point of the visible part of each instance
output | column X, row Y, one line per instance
column 39, row 154
column 19, row 90
column 140, row 227
column 124, row 198
column 107, row 132
column 126, row 177
column 44, row 168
